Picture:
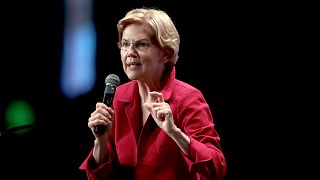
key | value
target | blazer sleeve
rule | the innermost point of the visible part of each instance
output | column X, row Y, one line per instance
column 104, row 170
column 196, row 121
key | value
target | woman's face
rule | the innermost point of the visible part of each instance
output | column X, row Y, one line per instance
column 141, row 57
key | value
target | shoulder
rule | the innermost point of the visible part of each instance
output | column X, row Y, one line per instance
column 183, row 87
column 184, row 92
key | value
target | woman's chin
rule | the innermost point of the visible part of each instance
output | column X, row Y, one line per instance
column 132, row 75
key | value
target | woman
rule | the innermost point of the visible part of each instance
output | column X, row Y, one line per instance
column 159, row 127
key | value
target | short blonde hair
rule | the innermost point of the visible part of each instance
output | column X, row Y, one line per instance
column 160, row 24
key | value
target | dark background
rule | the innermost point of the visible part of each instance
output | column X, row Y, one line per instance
column 231, row 51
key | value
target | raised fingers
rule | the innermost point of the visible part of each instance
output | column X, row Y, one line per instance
column 156, row 97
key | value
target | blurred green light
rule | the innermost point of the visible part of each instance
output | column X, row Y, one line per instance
column 19, row 114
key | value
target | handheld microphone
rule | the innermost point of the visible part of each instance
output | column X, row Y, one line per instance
column 112, row 81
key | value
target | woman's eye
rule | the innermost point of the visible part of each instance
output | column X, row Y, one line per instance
column 142, row 45
column 125, row 44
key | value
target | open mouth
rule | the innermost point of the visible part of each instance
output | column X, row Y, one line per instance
column 133, row 65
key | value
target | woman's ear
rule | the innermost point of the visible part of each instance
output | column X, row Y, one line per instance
column 168, row 53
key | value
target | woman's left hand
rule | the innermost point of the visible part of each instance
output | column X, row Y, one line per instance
column 161, row 112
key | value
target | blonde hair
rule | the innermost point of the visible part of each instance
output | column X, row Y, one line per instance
column 160, row 24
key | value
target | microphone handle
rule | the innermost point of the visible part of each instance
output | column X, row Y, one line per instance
column 107, row 99
column 100, row 129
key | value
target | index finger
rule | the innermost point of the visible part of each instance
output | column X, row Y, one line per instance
column 157, row 96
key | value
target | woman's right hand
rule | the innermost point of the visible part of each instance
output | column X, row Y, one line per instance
column 103, row 115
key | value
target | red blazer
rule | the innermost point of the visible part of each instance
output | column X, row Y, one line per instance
column 148, row 153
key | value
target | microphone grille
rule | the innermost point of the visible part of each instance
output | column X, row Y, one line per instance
column 112, row 79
